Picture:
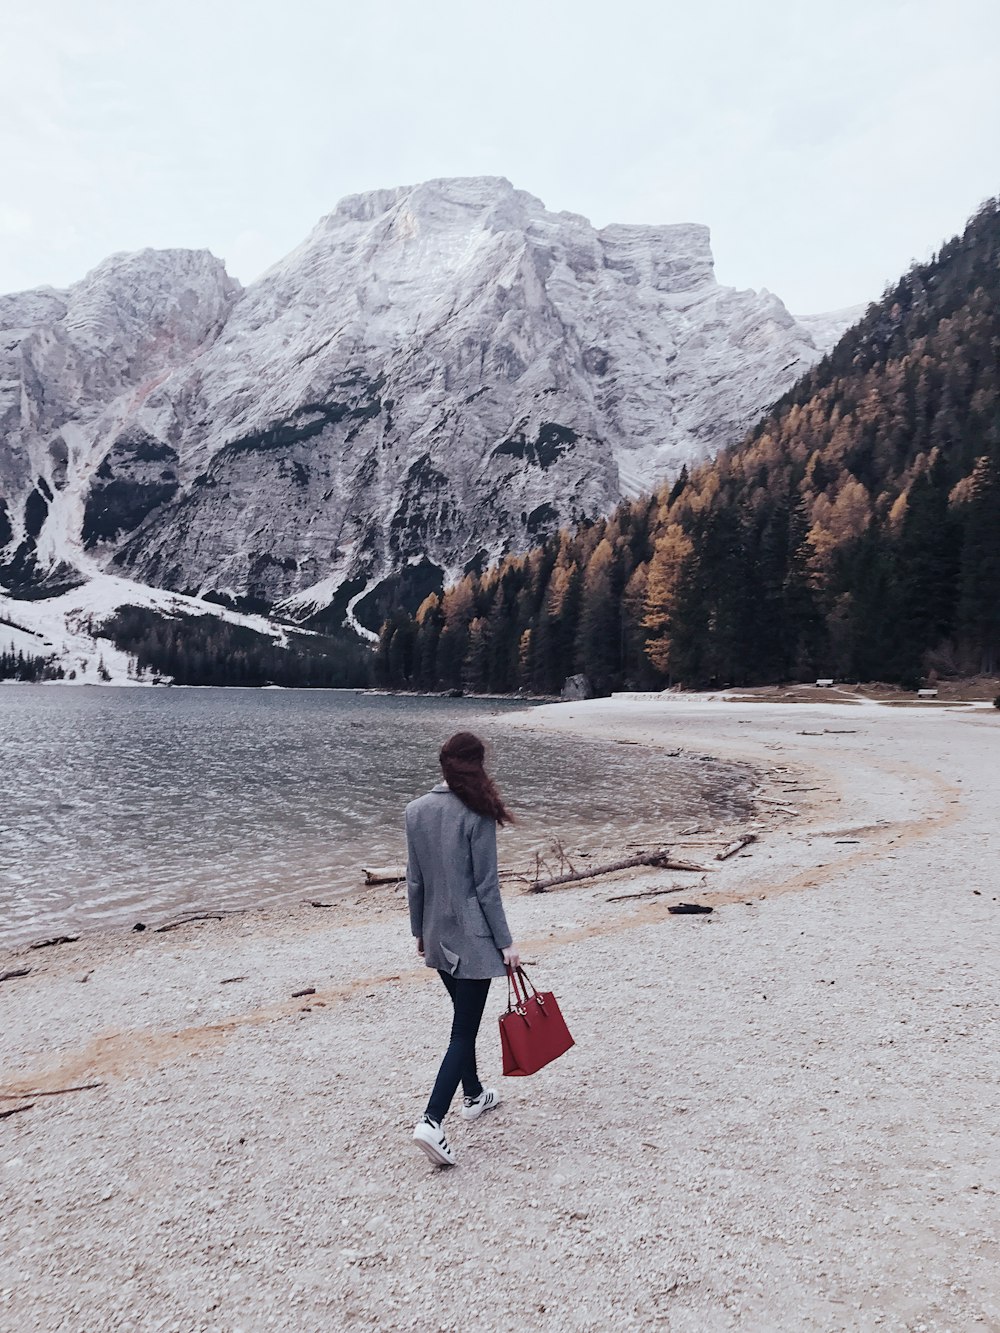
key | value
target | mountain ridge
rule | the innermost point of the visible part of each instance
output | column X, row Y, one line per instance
column 437, row 375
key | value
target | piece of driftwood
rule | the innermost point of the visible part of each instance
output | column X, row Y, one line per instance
column 689, row 909
column 15, row 1109
column 56, row 939
column 54, row 1092
column 734, row 847
column 16, row 972
column 661, row 860
column 309, row 990
column 315, row 903
column 186, row 920
column 648, row 893
column 778, row 805
column 229, row 981
column 383, row 875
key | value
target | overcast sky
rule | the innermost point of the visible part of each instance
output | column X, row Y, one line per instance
column 826, row 145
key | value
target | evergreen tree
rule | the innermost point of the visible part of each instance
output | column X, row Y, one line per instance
column 597, row 648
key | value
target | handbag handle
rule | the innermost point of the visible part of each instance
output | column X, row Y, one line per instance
column 516, row 975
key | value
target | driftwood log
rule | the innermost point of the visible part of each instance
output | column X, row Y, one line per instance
column 734, row 847
column 17, row 972
column 383, row 875
column 56, row 939
column 660, row 860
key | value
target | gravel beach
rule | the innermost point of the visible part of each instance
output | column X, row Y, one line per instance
column 784, row 1115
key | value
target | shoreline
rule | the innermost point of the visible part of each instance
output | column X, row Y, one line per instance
column 291, row 893
column 779, row 1116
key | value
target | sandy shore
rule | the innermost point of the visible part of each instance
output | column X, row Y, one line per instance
column 782, row 1116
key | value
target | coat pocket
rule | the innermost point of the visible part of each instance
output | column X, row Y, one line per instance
column 475, row 919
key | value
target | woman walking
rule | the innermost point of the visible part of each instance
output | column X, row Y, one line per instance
column 457, row 919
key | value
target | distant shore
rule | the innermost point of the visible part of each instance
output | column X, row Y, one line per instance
column 778, row 1115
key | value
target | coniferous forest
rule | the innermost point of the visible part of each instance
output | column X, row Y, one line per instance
column 854, row 533
column 200, row 650
column 30, row 668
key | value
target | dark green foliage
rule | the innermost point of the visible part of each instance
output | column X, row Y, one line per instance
column 200, row 650
column 15, row 666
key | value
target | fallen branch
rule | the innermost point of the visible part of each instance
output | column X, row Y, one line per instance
column 14, row 1110
column 309, row 990
column 17, row 972
column 647, row 893
column 660, row 860
column 55, row 1092
column 778, row 805
column 383, row 876
column 56, row 939
column 186, row 920
column 736, row 846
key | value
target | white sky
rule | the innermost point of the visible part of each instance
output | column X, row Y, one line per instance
column 826, row 144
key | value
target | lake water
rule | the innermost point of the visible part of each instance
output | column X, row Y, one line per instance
column 119, row 805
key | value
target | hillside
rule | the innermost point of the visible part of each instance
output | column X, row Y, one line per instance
column 855, row 532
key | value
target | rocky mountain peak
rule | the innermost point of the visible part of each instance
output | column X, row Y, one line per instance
column 439, row 373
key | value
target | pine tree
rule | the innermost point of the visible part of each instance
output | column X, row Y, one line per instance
column 597, row 647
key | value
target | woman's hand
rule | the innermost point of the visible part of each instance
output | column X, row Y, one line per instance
column 512, row 957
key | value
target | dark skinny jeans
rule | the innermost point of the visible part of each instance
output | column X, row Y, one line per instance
column 468, row 997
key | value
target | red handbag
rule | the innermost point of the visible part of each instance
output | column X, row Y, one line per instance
column 533, row 1031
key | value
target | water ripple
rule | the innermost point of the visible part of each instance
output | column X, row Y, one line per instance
column 117, row 804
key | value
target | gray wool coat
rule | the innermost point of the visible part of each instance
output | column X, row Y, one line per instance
column 453, row 886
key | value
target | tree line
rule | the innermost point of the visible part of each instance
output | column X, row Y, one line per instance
column 854, row 533
column 30, row 668
column 203, row 650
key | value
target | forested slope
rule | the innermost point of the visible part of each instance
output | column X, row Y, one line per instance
column 854, row 533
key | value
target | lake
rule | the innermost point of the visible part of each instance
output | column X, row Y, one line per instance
column 119, row 805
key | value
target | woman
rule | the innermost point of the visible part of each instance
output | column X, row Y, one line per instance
column 457, row 919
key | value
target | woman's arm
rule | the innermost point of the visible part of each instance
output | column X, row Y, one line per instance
column 486, row 878
column 414, row 887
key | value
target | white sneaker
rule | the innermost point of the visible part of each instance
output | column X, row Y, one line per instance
column 475, row 1106
column 429, row 1135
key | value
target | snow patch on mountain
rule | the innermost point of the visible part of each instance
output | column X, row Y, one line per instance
column 67, row 629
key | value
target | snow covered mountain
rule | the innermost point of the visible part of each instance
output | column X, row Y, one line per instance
column 437, row 375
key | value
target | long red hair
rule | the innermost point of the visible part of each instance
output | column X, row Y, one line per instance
column 462, row 765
